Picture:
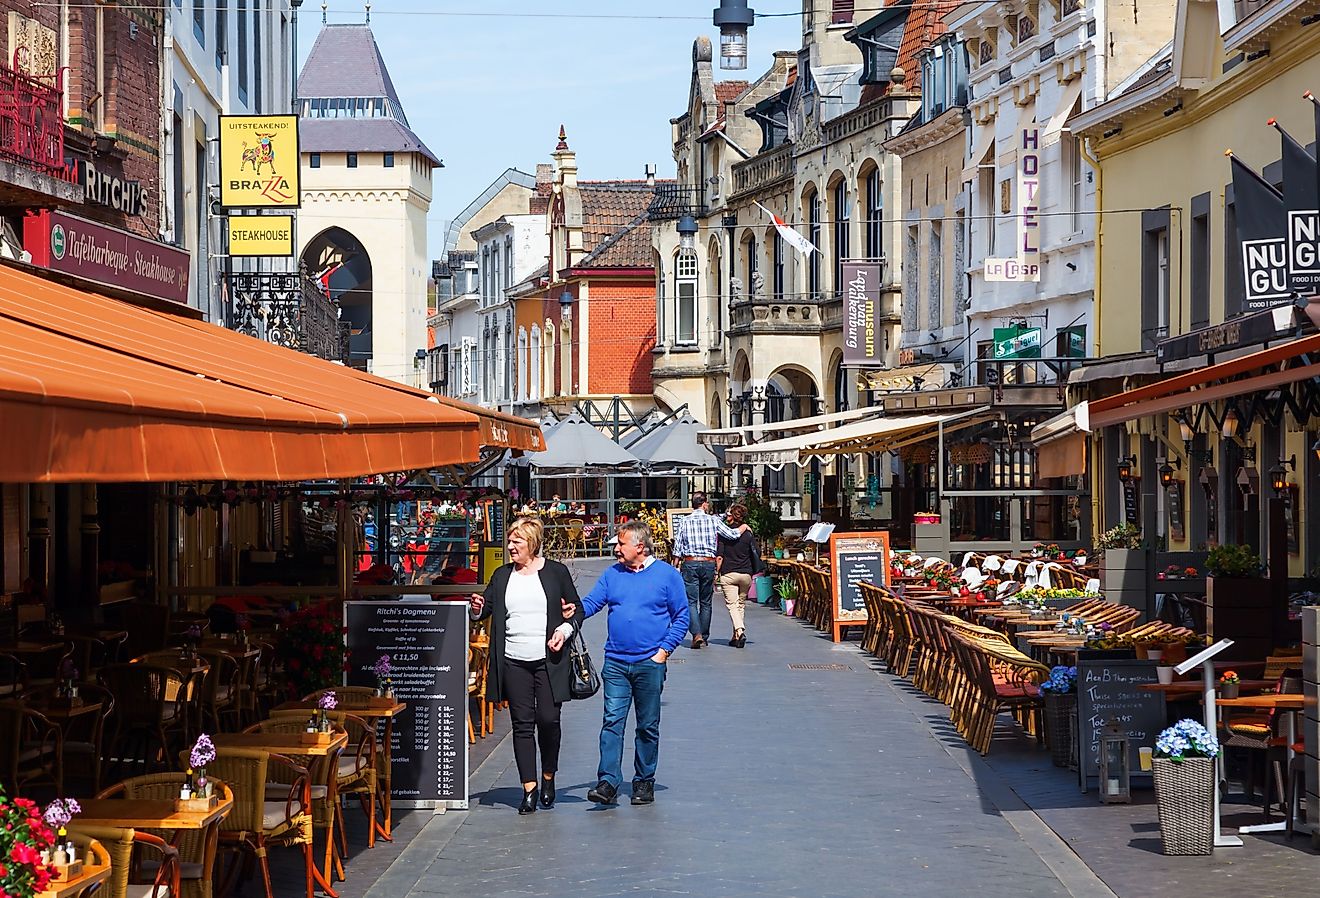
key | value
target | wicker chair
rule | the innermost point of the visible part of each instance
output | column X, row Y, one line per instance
column 120, row 846
column 324, row 775
column 31, row 748
column 84, row 735
column 357, row 773
column 148, row 704
column 196, row 848
column 13, row 675
column 219, row 690
column 255, row 822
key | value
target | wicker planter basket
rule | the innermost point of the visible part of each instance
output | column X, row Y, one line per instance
column 1184, row 794
column 1061, row 727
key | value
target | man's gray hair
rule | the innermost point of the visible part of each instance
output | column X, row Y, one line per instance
column 643, row 534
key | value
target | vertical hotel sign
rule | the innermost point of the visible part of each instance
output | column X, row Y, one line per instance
column 259, row 161
column 861, row 303
column 1025, row 267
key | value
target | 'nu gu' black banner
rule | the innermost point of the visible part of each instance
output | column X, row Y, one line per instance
column 1261, row 227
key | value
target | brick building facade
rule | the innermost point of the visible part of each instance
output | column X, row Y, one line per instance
column 99, row 67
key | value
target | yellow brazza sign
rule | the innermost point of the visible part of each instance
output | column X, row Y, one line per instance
column 259, row 161
column 261, row 235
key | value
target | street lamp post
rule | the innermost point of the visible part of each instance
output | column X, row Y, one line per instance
column 734, row 18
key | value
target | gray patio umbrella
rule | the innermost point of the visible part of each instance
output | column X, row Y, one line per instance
column 573, row 445
column 674, row 446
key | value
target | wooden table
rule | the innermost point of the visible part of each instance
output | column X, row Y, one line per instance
column 32, row 647
column 232, row 648
column 146, row 813
column 281, row 743
column 89, row 877
column 1195, row 688
column 385, row 709
column 64, row 713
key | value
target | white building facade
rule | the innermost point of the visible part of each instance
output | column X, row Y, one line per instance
column 1031, row 184
column 227, row 57
column 509, row 249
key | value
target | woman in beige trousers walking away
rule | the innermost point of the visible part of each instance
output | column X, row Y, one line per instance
column 735, row 562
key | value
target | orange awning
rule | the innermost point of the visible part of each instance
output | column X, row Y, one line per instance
column 498, row 429
column 94, row 389
column 1225, row 380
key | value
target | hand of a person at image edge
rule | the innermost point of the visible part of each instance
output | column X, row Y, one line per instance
column 570, row 609
column 660, row 657
column 478, row 602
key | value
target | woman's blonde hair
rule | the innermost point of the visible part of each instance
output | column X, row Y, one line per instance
column 531, row 530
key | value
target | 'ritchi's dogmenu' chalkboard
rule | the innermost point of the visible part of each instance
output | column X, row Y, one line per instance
column 427, row 643
column 857, row 558
column 1110, row 690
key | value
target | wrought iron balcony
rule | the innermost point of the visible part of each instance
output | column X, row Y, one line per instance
column 32, row 120
column 287, row 309
column 673, row 201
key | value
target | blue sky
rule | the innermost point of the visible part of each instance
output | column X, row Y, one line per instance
column 487, row 93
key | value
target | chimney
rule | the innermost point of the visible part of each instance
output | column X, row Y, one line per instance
column 650, row 174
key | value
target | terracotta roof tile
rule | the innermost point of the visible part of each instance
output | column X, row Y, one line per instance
column 925, row 24
column 629, row 248
column 728, row 91
column 610, row 206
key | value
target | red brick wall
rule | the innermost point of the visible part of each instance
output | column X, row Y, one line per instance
column 622, row 332
column 131, row 76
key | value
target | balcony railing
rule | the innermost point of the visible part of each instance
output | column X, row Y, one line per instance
column 672, row 201
column 289, row 310
column 32, row 120
column 763, row 169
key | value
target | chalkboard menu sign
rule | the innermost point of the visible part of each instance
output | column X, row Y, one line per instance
column 857, row 558
column 1132, row 500
column 427, row 643
column 1174, row 503
column 448, row 546
column 1109, row 689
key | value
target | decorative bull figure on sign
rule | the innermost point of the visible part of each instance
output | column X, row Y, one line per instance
column 261, row 154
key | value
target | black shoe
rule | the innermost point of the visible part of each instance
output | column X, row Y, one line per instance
column 604, row 793
column 547, row 792
column 697, row 642
column 643, row 792
column 739, row 639
column 528, row 805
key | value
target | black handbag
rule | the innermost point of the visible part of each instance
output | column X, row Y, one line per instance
column 584, row 681
column 758, row 564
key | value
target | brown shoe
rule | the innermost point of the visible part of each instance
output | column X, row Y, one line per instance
column 697, row 642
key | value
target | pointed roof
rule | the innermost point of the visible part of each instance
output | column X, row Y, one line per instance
column 347, row 101
column 345, row 62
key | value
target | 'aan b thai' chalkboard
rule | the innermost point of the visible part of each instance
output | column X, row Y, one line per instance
column 1110, row 690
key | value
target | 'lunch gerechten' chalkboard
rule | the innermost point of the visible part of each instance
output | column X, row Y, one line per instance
column 1110, row 689
column 856, row 558
column 427, row 643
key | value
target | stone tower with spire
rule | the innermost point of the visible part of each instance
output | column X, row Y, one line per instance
column 366, row 193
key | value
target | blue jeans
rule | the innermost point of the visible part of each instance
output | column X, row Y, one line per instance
column 699, row 578
column 640, row 682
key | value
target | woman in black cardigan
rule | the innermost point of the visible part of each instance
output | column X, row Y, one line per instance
column 528, row 664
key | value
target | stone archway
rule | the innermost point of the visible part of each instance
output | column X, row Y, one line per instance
column 341, row 266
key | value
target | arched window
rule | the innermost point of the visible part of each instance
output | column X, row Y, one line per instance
column 521, row 390
column 811, row 205
column 548, row 378
column 842, row 213
column 660, row 333
column 715, row 289
column 685, row 296
column 875, row 213
column 533, row 391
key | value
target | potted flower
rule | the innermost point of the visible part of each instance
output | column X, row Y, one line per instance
column 787, row 590
column 1229, row 684
column 59, row 813
column 1037, row 550
column 383, row 671
column 1059, row 693
column 1123, row 565
column 779, row 546
column 1184, row 770
column 202, row 753
column 24, row 838
column 324, row 705
column 1080, row 558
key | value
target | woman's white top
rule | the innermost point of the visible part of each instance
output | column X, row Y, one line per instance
column 524, row 628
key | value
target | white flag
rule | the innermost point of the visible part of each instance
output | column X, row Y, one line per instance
column 792, row 237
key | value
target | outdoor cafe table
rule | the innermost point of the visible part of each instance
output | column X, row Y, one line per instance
column 146, row 813
column 1186, row 689
column 385, row 709
column 281, row 743
column 89, row 878
column 1290, row 703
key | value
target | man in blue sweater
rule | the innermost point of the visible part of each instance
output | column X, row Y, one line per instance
column 648, row 608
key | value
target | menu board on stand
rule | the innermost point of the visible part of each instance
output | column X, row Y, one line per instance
column 856, row 558
column 1109, row 689
column 427, row 643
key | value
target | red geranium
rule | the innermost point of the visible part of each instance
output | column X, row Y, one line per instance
column 23, row 836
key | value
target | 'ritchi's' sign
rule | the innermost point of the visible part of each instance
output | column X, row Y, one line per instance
column 63, row 242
